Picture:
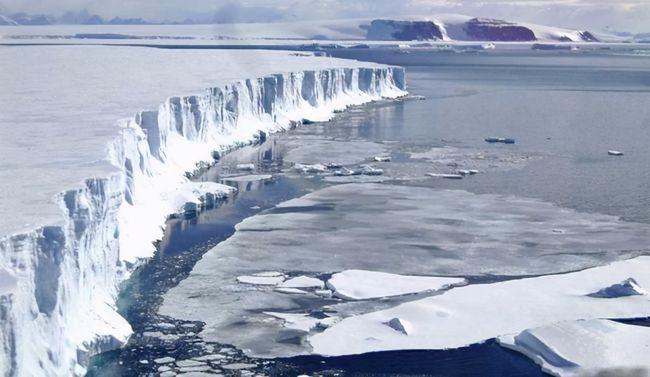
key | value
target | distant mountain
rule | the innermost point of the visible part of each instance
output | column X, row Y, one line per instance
column 465, row 28
column 29, row 19
column 82, row 17
column 4, row 21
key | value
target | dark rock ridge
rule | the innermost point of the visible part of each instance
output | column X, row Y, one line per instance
column 403, row 30
column 498, row 30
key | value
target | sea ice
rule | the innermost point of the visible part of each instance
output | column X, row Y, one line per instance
column 594, row 347
column 475, row 313
column 363, row 285
column 260, row 280
column 424, row 231
column 302, row 282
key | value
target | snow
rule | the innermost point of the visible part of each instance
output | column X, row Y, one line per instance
column 195, row 192
column 106, row 137
column 585, row 348
column 475, row 313
column 260, row 280
column 303, row 282
column 363, row 285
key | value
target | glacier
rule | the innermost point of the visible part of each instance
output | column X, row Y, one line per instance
column 86, row 186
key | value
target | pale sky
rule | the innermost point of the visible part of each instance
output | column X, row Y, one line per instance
column 623, row 15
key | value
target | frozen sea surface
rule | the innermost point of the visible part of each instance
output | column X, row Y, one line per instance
column 62, row 105
column 387, row 228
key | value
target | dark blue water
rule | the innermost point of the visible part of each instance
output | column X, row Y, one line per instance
column 566, row 111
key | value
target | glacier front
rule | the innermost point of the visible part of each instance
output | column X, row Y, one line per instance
column 94, row 144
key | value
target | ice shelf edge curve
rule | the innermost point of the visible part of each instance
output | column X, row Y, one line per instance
column 58, row 284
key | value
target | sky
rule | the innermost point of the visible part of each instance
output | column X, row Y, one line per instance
column 620, row 15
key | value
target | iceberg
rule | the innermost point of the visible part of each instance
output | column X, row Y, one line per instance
column 89, row 184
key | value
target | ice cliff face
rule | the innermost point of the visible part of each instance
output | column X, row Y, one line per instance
column 58, row 284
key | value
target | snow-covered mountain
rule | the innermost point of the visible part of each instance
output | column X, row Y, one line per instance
column 466, row 28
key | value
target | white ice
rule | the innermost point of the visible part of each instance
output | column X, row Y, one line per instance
column 475, row 313
column 363, row 285
column 594, row 347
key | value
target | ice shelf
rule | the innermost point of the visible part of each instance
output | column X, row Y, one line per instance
column 94, row 144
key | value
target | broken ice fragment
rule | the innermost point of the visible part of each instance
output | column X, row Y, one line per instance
column 447, row 176
column 382, row 158
column 248, row 166
column 260, row 280
column 628, row 287
column 369, row 170
column 315, row 168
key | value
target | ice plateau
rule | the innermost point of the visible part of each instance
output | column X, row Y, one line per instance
column 94, row 144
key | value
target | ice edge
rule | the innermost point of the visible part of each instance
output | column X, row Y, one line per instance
column 58, row 307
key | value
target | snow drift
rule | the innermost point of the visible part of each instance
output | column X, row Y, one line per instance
column 58, row 283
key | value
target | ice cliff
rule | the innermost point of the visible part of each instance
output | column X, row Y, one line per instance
column 58, row 283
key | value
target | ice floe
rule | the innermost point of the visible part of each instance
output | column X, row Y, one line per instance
column 363, row 285
column 302, row 282
column 475, row 313
column 594, row 347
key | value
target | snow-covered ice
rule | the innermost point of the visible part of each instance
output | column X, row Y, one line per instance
column 303, row 282
column 475, row 313
column 594, row 347
column 363, row 285
column 106, row 137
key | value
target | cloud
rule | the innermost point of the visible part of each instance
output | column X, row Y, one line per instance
column 633, row 15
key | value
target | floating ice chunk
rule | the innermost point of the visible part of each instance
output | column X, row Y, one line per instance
column 238, row 366
column 504, row 140
column 628, row 287
column 324, row 293
column 212, row 357
column 291, row 291
column 362, row 285
column 303, row 282
column 189, row 363
column 260, row 280
column 382, row 158
column 249, row 166
column 193, row 196
column 164, row 360
column 465, row 172
column 400, row 325
column 269, row 274
column 585, row 348
column 296, row 321
column 614, row 153
column 315, row 168
column 447, row 176
column 247, row 178
column 370, row 170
